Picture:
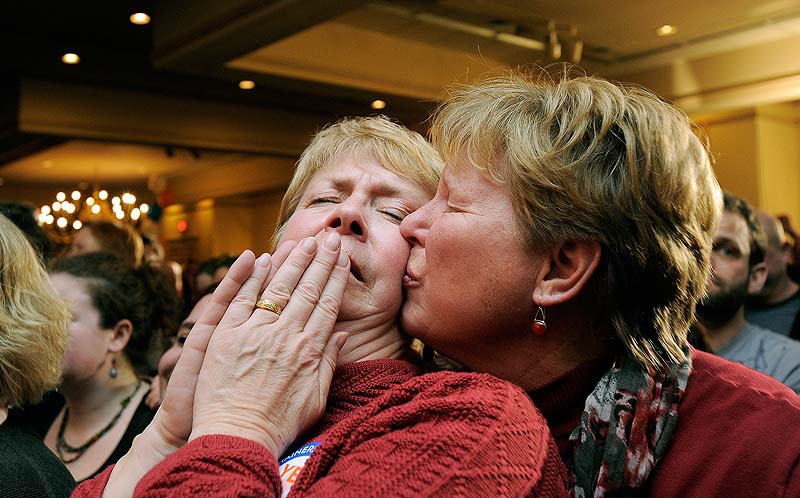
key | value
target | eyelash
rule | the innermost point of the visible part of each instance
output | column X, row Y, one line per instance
column 322, row 200
column 398, row 217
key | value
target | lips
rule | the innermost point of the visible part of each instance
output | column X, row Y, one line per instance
column 410, row 279
column 356, row 272
column 356, row 268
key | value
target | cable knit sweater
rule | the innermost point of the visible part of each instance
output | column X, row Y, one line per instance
column 386, row 432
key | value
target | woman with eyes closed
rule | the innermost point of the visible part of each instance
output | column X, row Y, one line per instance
column 565, row 250
column 293, row 381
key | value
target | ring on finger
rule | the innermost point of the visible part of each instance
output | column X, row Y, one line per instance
column 269, row 305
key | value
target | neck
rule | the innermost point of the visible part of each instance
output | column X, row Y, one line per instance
column 782, row 290
column 532, row 362
column 3, row 414
column 371, row 338
column 718, row 335
column 90, row 400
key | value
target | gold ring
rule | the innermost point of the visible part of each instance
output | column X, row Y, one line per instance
column 266, row 304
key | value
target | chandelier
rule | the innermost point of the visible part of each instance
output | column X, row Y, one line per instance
column 63, row 216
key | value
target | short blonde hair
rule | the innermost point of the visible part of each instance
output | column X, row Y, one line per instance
column 398, row 149
column 587, row 159
column 33, row 321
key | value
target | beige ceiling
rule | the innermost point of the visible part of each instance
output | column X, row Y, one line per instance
column 93, row 161
column 408, row 48
column 726, row 55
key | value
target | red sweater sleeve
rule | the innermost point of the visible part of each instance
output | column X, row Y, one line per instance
column 94, row 487
column 214, row 466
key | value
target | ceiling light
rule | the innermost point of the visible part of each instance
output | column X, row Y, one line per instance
column 77, row 224
column 140, row 18
column 75, row 195
column 666, row 30
column 61, row 197
column 96, row 209
column 247, row 84
column 61, row 222
column 378, row 104
column 103, row 195
column 70, row 58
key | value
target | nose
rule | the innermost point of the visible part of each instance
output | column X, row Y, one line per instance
column 414, row 227
column 348, row 219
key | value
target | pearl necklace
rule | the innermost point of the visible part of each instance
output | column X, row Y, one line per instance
column 61, row 444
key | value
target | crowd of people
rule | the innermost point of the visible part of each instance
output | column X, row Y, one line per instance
column 609, row 323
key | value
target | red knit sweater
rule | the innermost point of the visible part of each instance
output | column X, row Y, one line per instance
column 386, row 432
column 738, row 431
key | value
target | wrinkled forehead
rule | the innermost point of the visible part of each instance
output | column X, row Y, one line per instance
column 367, row 173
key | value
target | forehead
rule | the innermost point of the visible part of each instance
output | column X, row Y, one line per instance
column 732, row 226
column 351, row 172
column 71, row 288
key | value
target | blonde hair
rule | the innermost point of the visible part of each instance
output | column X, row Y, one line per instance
column 587, row 159
column 33, row 321
column 398, row 149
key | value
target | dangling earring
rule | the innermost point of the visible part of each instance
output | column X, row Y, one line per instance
column 113, row 372
column 539, row 326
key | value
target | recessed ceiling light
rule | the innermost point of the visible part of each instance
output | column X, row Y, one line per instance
column 247, row 84
column 140, row 18
column 70, row 58
column 378, row 104
column 666, row 30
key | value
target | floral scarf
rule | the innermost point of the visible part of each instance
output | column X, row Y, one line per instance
column 626, row 427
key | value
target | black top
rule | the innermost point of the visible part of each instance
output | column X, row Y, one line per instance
column 43, row 415
column 141, row 418
column 27, row 467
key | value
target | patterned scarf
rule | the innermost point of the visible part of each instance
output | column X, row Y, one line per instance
column 626, row 427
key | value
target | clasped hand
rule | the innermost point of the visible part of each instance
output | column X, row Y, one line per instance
column 250, row 372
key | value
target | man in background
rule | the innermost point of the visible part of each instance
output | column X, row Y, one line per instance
column 777, row 306
column 738, row 270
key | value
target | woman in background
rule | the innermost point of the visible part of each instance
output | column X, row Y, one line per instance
column 33, row 336
column 115, row 310
column 119, row 239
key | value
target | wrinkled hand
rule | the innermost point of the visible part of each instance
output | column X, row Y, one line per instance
column 172, row 425
column 266, row 376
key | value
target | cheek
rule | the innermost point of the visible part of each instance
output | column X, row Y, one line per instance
column 300, row 226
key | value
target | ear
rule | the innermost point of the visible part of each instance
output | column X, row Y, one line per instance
column 120, row 335
column 565, row 272
column 757, row 278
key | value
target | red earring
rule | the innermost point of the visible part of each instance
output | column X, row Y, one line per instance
column 539, row 326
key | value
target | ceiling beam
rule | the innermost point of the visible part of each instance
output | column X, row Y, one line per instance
column 83, row 111
column 200, row 36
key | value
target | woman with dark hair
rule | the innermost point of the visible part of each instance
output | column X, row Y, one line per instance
column 116, row 309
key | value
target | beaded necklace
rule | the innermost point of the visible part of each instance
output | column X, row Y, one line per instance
column 62, row 446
